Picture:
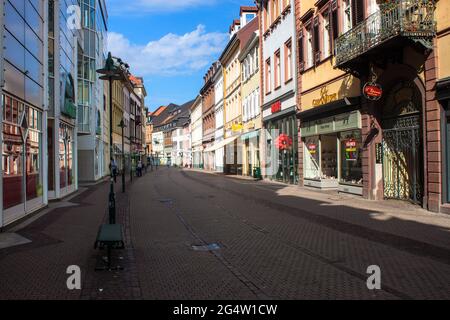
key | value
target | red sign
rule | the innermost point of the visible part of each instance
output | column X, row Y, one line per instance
column 372, row 91
column 350, row 143
column 276, row 107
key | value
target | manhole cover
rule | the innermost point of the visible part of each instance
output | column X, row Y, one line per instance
column 165, row 200
column 206, row 247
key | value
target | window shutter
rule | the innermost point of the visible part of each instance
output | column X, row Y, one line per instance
column 334, row 24
column 301, row 57
column 357, row 11
column 316, row 41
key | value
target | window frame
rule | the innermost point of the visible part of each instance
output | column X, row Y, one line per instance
column 277, row 69
column 268, row 76
column 288, row 69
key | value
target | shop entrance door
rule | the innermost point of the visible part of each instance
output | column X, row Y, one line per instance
column 402, row 144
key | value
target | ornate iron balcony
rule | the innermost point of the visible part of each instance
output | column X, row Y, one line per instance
column 412, row 19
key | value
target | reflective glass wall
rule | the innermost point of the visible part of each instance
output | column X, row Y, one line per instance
column 22, row 112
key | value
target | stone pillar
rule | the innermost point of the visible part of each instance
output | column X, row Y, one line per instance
column 432, row 138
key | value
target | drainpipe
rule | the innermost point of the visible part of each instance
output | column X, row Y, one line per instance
column 44, row 155
column 57, row 107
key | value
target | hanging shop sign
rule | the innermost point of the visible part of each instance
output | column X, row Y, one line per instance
column 312, row 147
column 283, row 142
column 276, row 107
column 372, row 91
column 350, row 150
column 324, row 97
column 236, row 127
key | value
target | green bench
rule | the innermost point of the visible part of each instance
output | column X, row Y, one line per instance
column 109, row 236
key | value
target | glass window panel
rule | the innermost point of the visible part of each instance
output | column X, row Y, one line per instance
column 14, row 51
column 14, row 22
column 33, row 19
column 14, row 80
column 33, row 44
column 351, row 162
column 38, row 6
column 33, row 92
column 311, row 162
column 34, row 68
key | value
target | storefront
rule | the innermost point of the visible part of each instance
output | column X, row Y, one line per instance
column 332, row 149
column 250, row 142
column 280, row 136
column 66, row 158
column 197, row 157
column 22, row 159
column 443, row 96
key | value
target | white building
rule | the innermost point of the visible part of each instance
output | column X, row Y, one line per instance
column 278, row 89
column 92, row 141
column 158, row 144
column 218, row 105
column 197, row 133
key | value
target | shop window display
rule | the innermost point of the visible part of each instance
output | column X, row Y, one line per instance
column 282, row 150
column 21, row 161
column 351, row 163
column 65, row 155
column 328, row 145
column 312, row 158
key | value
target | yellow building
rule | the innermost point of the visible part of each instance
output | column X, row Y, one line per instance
column 369, row 124
column 251, row 111
column 240, row 31
column 443, row 95
column 232, row 104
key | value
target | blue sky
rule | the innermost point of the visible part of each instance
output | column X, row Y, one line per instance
column 171, row 43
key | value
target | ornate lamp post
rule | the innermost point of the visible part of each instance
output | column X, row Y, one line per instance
column 122, row 125
column 111, row 72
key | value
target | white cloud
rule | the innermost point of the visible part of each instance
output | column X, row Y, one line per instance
column 117, row 7
column 172, row 54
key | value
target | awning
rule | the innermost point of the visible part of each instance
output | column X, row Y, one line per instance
column 250, row 135
column 220, row 144
column 343, row 105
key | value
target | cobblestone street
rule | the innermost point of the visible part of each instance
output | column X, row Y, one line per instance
column 194, row 235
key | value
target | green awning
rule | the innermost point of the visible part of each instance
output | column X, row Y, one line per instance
column 250, row 135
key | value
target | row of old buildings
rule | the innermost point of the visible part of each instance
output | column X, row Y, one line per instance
column 350, row 95
column 55, row 111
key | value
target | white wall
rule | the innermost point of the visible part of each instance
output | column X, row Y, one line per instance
column 197, row 127
column 276, row 40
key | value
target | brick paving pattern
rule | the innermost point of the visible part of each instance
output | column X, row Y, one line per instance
column 275, row 242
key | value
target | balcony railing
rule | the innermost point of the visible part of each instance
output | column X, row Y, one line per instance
column 413, row 19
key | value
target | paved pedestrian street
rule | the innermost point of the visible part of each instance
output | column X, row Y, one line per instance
column 196, row 235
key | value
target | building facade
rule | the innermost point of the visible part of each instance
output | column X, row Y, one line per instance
column 370, row 121
column 232, row 105
column 278, row 91
column 251, row 111
column 442, row 69
column 219, row 120
column 196, row 120
column 23, row 141
column 91, row 95
column 208, row 117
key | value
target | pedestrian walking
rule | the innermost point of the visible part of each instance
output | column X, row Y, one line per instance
column 114, row 169
column 139, row 169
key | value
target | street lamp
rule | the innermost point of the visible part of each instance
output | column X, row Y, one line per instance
column 111, row 72
column 122, row 125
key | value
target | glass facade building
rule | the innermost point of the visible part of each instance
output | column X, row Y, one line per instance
column 91, row 56
column 22, row 108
